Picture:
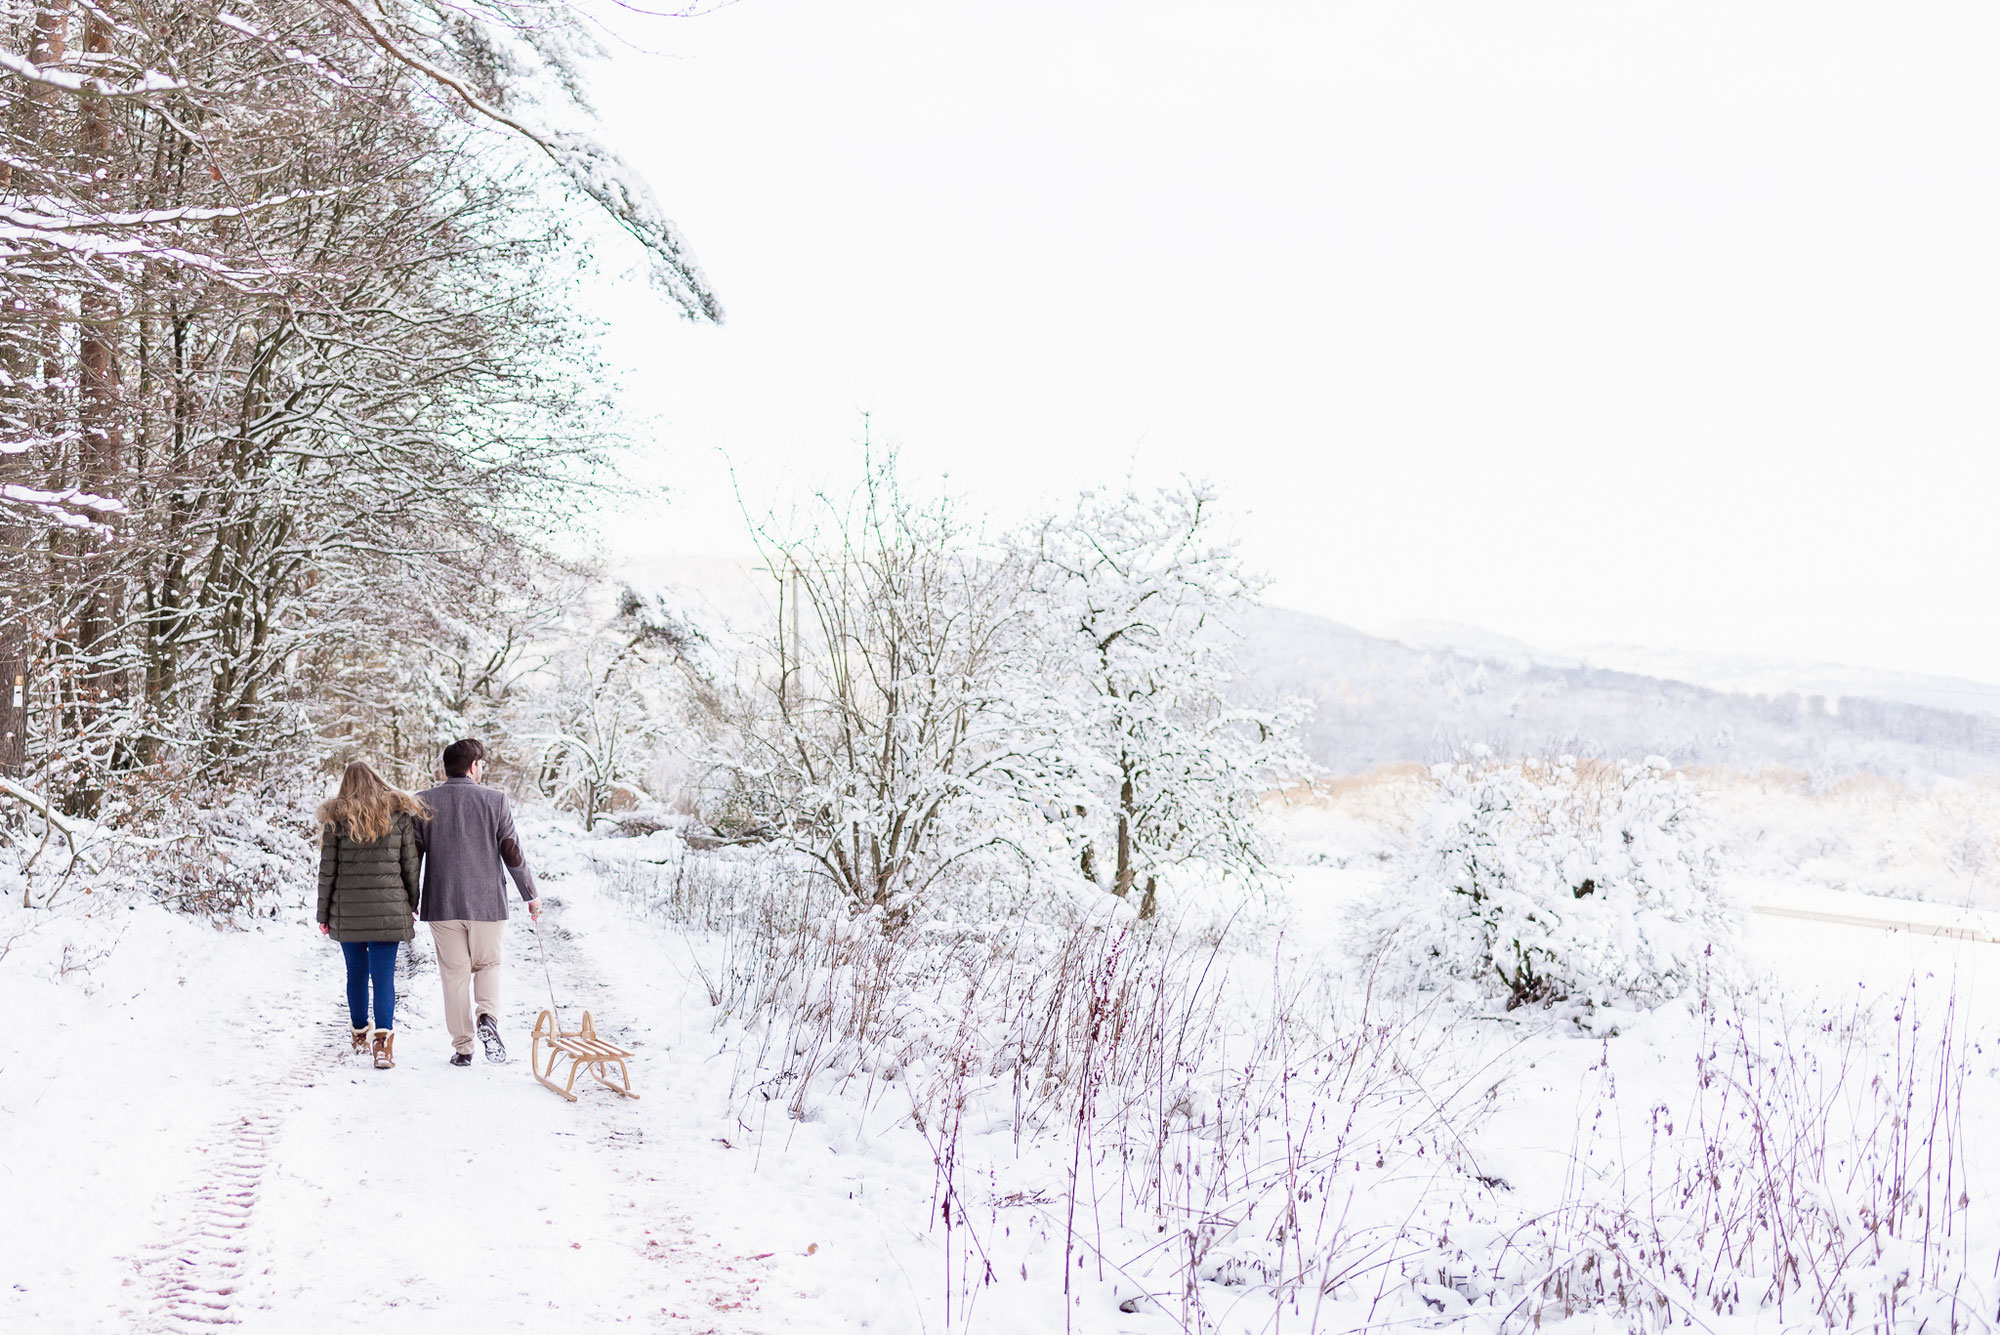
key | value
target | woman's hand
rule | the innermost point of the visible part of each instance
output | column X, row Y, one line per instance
column 324, row 929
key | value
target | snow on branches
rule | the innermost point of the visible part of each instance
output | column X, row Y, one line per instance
column 1133, row 596
column 520, row 68
column 1063, row 696
column 879, row 740
column 283, row 321
column 68, row 508
column 1580, row 880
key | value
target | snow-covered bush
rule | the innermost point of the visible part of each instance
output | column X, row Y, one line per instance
column 223, row 854
column 1542, row 882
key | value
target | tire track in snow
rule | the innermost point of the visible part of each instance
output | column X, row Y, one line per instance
column 193, row 1278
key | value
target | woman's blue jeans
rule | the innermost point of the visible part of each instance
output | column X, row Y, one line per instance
column 371, row 962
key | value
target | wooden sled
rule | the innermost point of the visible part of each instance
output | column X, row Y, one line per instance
column 581, row 1049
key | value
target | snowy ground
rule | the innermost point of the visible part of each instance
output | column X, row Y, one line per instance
column 184, row 1142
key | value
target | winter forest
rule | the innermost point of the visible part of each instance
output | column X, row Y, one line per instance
column 1012, row 915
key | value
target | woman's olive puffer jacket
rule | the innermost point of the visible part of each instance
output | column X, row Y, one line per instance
column 368, row 892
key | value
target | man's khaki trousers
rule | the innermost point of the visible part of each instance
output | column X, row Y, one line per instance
column 468, row 953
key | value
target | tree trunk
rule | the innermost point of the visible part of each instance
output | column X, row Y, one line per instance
column 17, row 411
column 48, row 47
column 1127, row 801
column 1150, row 904
column 13, row 684
column 97, row 403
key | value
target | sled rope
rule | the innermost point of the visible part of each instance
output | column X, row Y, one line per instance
column 554, row 1012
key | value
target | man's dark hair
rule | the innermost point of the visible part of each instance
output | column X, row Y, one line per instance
column 458, row 757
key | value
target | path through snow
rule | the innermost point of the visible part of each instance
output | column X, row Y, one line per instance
column 213, row 1158
column 478, row 1192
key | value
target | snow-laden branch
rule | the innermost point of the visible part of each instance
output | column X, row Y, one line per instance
column 62, row 507
column 149, row 84
column 35, row 222
column 298, row 55
column 16, row 240
column 73, row 832
column 590, row 166
column 38, row 803
column 623, row 193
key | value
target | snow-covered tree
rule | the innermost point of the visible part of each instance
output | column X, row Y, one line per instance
column 1546, row 881
column 880, row 740
column 287, row 362
column 613, row 700
column 459, row 658
column 1132, row 596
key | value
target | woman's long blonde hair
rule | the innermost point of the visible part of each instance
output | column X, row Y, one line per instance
column 367, row 806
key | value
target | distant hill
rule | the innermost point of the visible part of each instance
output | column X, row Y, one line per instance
column 1738, row 674
column 1745, row 675
column 1437, row 688
column 1384, row 701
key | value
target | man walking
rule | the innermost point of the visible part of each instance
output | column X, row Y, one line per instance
column 469, row 842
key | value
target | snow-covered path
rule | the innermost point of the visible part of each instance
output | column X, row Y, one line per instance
column 476, row 1191
column 181, row 1158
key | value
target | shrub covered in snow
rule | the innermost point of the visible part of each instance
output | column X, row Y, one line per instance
column 1541, row 882
column 221, row 854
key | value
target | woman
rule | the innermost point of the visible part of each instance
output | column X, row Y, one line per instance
column 368, row 857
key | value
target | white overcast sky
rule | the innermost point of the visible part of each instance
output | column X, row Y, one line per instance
column 1665, row 323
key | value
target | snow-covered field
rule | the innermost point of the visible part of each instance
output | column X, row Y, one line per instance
column 184, row 1141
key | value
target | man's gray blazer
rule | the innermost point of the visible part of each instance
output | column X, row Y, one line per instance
column 469, row 849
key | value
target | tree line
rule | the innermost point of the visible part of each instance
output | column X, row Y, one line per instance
column 289, row 380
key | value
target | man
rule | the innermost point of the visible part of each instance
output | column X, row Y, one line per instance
column 469, row 842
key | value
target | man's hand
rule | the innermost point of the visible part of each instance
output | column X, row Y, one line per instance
column 535, row 910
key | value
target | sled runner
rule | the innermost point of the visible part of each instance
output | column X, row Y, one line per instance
column 580, row 1049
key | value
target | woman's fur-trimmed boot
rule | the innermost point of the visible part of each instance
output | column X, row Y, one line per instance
column 385, row 1049
column 360, row 1037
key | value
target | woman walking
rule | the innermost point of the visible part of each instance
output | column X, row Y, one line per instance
column 368, row 860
